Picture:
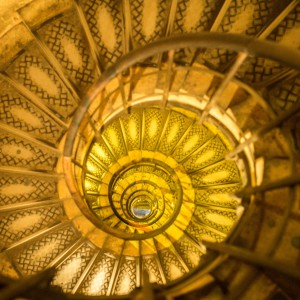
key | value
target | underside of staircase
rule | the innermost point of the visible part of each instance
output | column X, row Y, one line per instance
column 150, row 147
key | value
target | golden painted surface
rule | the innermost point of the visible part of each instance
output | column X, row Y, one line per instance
column 191, row 156
column 161, row 160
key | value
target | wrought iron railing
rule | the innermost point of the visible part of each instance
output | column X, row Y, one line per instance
column 158, row 66
column 113, row 94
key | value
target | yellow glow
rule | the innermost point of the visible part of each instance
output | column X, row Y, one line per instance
column 87, row 185
column 133, row 132
column 90, row 185
column 220, row 175
column 113, row 137
column 219, row 219
column 173, row 132
column 153, row 127
column 143, row 183
column 205, row 157
column 91, row 167
column 220, row 197
column 99, row 151
column 191, row 143
column 208, row 238
column 194, row 257
column 94, row 169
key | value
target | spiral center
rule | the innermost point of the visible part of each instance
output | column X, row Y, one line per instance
column 146, row 170
column 141, row 207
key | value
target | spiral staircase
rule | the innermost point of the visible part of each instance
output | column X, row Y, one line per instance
column 150, row 148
